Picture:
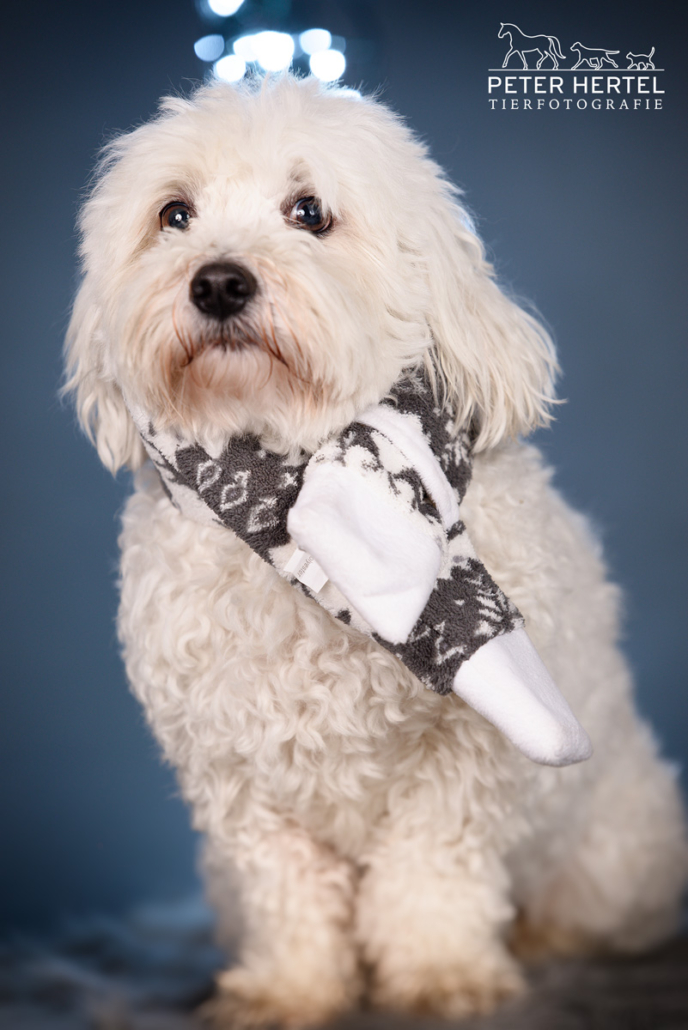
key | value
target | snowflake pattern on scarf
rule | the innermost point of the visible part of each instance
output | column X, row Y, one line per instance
column 250, row 491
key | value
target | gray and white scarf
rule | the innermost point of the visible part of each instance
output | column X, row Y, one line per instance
column 370, row 528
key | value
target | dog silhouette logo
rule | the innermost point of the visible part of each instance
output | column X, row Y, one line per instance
column 641, row 62
column 594, row 58
column 521, row 44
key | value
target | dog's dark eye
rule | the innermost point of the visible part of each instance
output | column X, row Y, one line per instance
column 175, row 215
column 307, row 213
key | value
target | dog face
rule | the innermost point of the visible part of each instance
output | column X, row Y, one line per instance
column 268, row 258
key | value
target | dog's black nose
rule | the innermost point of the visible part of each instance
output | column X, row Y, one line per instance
column 222, row 289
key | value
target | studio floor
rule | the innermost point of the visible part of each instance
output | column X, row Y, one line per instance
column 153, row 969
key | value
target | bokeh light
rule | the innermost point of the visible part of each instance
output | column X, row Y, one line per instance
column 243, row 46
column 314, row 40
column 209, row 48
column 273, row 50
column 224, row 8
column 230, row 68
column 328, row 65
column 315, row 50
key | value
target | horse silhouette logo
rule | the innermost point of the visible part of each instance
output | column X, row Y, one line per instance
column 519, row 43
column 643, row 62
column 593, row 58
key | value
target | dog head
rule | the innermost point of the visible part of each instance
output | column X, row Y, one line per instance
column 268, row 258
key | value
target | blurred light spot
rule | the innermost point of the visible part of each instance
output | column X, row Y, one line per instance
column 315, row 40
column 224, row 7
column 328, row 65
column 273, row 50
column 209, row 48
column 230, row 68
column 338, row 43
column 243, row 46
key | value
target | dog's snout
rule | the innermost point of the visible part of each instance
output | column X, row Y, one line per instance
column 222, row 289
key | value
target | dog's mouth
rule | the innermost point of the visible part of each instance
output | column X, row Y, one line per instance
column 236, row 357
column 231, row 338
column 235, row 337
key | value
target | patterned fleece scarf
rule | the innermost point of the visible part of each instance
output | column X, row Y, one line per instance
column 369, row 527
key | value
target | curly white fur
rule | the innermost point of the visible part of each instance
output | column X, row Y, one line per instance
column 365, row 822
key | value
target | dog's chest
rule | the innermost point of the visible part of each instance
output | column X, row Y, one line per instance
column 236, row 668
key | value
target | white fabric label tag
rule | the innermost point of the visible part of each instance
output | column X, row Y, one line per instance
column 306, row 570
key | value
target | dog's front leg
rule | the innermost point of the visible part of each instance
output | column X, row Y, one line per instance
column 431, row 916
column 298, row 965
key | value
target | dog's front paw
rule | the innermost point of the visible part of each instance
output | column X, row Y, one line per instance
column 451, row 991
column 246, row 1000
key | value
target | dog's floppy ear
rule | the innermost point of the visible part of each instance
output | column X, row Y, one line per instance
column 100, row 408
column 496, row 361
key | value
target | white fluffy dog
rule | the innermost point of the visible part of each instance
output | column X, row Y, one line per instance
column 382, row 839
